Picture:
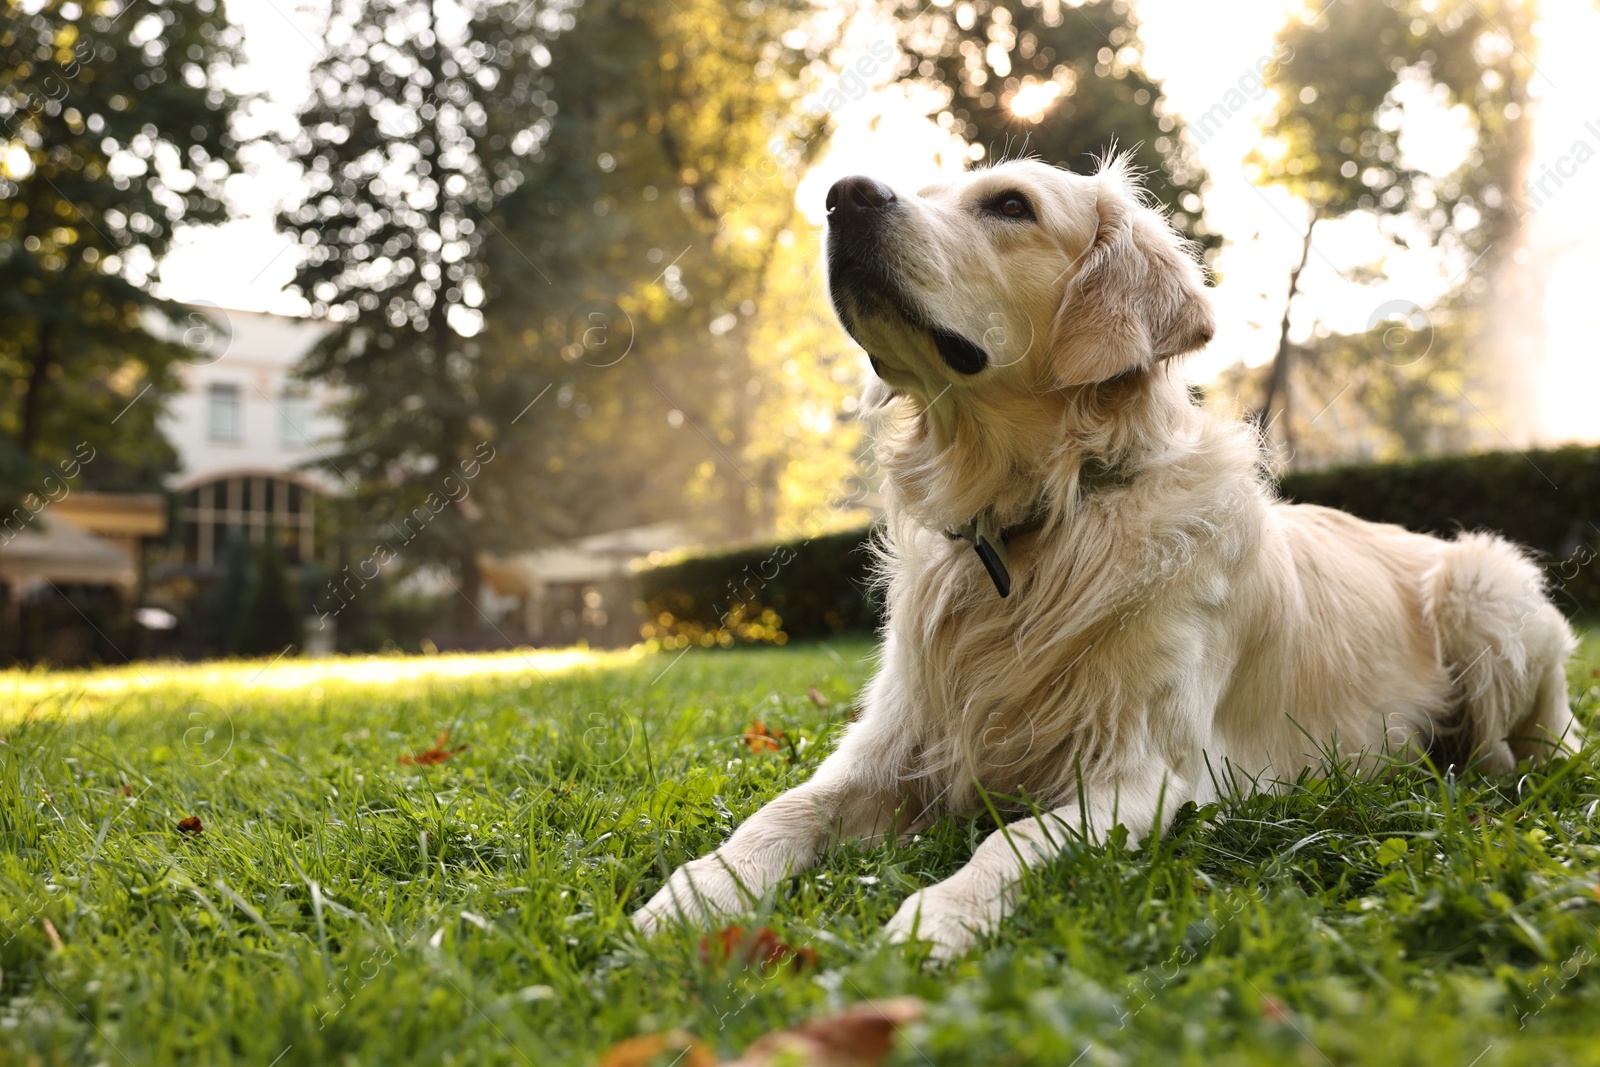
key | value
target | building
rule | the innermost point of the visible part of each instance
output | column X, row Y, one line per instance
column 246, row 433
column 581, row 591
column 243, row 429
column 252, row 444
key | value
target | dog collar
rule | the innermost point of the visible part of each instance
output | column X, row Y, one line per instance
column 990, row 541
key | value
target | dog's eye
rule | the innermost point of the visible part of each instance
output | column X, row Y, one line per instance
column 1009, row 205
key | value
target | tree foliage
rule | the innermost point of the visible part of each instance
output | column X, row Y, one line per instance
column 1358, row 75
column 424, row 115
column 547, row 231
column 1335, row 136
column 112, row 133
column 664, row 205
column 269, row 615
column 1065, row 83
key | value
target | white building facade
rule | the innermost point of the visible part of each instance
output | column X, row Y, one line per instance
column 248, row 435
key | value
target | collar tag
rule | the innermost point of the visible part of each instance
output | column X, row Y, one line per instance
column 990, row 541
column 990, row 545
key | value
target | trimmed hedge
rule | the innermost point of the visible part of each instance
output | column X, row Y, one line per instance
column 763, row 594
column 1548, row 500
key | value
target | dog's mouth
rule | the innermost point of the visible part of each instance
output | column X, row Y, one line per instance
column 962, row 355
column 861, row 290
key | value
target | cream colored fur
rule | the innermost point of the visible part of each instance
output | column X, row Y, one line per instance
column 1180, row 635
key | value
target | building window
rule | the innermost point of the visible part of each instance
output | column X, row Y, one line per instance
column 224, row 412
column 295, row 407
column 253, row 505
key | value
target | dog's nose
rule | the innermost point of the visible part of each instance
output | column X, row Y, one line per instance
column 857, row 195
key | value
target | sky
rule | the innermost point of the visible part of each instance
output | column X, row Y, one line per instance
column 1198, row 56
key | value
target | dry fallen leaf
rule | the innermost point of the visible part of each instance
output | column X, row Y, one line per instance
column 642, row 1051
column 437, row 754
column 763, row 948
column 859, row 1036
column 191, row 825
column 816, row 696
column 761, row 739
column 125, row 790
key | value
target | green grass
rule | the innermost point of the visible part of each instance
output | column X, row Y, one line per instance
column 341, row 907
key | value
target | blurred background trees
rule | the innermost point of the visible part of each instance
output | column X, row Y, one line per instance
column 113, row 132
column 544, row 235
column 1336, row 140
column 571, row 286
column 590, row 210
column 659, row 210
column 1060, row 82
column 409, row 143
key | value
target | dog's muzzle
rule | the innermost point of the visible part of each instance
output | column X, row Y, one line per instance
column 860, row 211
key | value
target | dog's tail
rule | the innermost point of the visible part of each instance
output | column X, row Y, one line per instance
column 1506, row 646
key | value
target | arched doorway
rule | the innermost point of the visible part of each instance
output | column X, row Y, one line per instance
column 210, row 508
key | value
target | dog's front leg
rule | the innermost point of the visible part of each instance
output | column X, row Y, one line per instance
column 855, row 793
column 952, row 914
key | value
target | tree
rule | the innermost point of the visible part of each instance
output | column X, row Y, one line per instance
column 1064, row 83
column 112, row 133
column 1334, row 136
column 424, row 115
column 502, row 191
column 228, row 595
column 662, row 206
column 269, row 615
column 1391, row 385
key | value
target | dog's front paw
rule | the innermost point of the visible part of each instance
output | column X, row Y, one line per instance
column 945, row 918
column 701, row 891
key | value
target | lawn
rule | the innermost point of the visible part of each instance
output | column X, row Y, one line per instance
column 344, row 902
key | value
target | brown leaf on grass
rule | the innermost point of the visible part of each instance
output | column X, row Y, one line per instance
column 763, row 948
column 643, row 1051
column 191, row 825
column 125, row 790
column 816, row 697
column 760, row 739
column 859, row 1036
column 1274, row 1009
column 437, row 754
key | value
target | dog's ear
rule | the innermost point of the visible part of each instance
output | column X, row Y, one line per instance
column 1137, row 298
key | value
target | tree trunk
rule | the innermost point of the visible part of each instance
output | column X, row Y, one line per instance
column 38, row 375
column 468, row 578
column 1278, row 380
column 453, row 444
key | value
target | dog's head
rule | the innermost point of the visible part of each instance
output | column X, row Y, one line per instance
column 1021, row 273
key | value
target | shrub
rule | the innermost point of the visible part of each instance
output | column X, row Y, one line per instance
column 1546, row 500
column 763, row 594
column 269, row 616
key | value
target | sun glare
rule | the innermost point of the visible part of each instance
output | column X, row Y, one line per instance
column 1033, row 99
column 303, row 674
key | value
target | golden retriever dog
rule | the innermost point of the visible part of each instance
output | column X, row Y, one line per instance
column 1096, row 607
